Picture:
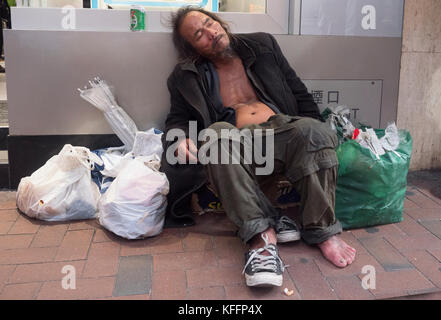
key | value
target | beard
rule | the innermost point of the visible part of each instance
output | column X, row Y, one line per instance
column 226, row 53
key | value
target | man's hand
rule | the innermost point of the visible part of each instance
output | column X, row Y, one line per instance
column 186, row 151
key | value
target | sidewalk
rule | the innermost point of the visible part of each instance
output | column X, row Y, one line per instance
column 205, row 261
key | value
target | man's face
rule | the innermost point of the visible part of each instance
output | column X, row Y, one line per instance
column 204, row 34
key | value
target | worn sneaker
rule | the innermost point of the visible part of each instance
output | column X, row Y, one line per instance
column 261, row 270
column 287, row 230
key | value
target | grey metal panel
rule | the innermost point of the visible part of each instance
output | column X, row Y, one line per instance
column 274, row 21
column 361, row 97
column 348, row 58
column 44, row 69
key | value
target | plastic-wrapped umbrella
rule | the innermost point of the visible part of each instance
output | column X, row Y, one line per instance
column 100, row 95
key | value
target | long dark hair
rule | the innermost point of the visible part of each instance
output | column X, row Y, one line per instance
column 186, row 52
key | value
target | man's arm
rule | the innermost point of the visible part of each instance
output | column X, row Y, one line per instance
column 179, row 115
column 306, row 104
column 178, row 118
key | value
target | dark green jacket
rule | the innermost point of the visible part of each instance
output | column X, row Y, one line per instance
column 268, row 71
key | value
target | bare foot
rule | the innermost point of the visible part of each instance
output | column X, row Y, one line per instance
column 338, row 252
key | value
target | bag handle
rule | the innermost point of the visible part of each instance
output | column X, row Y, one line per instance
column 84, row 156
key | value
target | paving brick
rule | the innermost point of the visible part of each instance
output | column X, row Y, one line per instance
column 377, row 231
column 134, row 276
column 5, row 227
column 184, row 261
column 349, row 288
column 27, row 255
column 410, row 226
column 436, row 252
column 83, row 225
column 25, row 291
column 386, row 254
column 102, row 235
column 75, row 245
column 424, row 214
column 361, row 260
column 416, row 242
column 230, row 251
column 10, row 204
column 154, row 245
column 133, row 297
column 434, row 226
column 49, row 236
column 84, row 289
column 298, row 249
column 9, row 215
column 409, row 204
column 102, row 260
column 169, row 285
column 5, row 273
column 421, row 200
column 399, row 283
column 24, row 225
column 40, row 272
column 243, row 292
column 207, row 293
column 193, row 241
column 215, row 276
column 427, row 188
column 15, row 241
column 174, row 232
column 308, row 279
column 428, row 296
column 214, row 224
column 427, row 264
column 7, row 196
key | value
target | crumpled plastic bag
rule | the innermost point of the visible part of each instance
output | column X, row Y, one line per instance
column 62, row 189
column 389, row 142
column 134, row 205
column 338, row 119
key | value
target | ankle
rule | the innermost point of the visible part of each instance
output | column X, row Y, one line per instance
column 258, row 242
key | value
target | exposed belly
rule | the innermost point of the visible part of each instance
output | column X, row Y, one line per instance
column 252, row 113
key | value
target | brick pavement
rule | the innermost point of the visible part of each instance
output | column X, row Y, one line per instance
column 205, row 261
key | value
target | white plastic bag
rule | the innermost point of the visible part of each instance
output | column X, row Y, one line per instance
column 114, row 160
column 62, row 189
column 134, row 205
column 147, row 143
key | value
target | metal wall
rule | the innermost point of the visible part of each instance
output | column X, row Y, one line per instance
column 45, row 68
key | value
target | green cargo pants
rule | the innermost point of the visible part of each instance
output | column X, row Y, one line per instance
column 304, row 153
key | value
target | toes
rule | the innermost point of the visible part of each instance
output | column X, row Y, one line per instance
column 341, row 263
column 352, row 249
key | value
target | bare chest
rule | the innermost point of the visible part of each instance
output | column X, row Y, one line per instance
column 235, row 87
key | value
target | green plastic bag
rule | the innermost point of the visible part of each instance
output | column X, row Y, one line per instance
column 371, row 191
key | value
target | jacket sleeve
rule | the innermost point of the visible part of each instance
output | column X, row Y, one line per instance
column 306, row 104
column 179, row 115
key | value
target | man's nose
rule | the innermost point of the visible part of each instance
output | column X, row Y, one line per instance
column 212, row 33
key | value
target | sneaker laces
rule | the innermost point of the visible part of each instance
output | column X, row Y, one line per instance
column 259, row 261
